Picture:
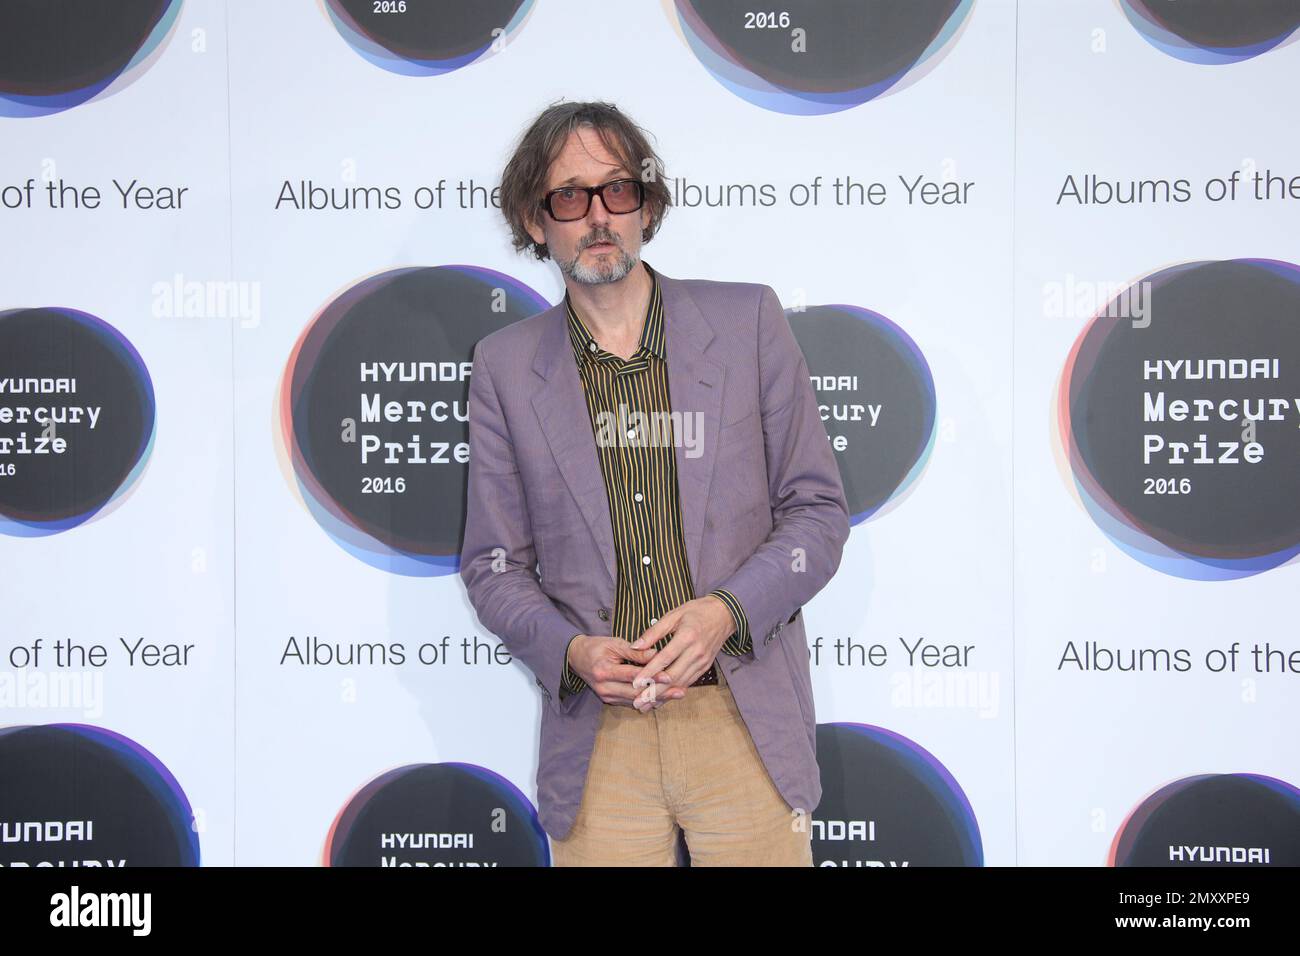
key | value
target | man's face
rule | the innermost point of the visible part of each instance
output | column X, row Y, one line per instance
column 602, row 246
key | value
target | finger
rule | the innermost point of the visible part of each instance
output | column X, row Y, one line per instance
column 623, row 693
column 638, row 656
column 683, row 674
column 663, row 692
column 628, row 672
column 619, row 650
column 617, row 692
column 682, row 649
column 666, row 694
column 649, row 699
column 658, row 663
column 613, row 644
column 652, row 695
column 651, row 635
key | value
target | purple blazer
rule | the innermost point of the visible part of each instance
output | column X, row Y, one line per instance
column 763, row 511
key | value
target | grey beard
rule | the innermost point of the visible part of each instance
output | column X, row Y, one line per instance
column 610, row 270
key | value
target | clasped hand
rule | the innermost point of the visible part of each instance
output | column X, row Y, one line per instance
column 699, row 628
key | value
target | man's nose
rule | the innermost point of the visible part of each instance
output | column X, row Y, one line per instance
column 597, row 214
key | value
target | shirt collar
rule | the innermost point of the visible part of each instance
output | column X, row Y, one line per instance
column 652, row 332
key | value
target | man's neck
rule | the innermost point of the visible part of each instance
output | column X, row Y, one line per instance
column 614, row 312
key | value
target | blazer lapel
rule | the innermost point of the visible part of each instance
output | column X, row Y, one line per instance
column 695, row 385
column 562, row 414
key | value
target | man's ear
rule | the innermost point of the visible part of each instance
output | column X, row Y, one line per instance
column 534, row 229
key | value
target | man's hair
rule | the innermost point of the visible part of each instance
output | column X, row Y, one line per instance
column 523, row 181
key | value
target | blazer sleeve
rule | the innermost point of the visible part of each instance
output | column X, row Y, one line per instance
column 497, row 559
column 809, row 509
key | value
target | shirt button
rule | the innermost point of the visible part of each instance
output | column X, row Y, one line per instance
column 631, row 433
column 592, row 346
column 654, row 620
column 637, row 497
column 645, row 559
column 603, row 614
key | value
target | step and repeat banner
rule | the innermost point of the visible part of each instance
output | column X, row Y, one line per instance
column 1043, row 259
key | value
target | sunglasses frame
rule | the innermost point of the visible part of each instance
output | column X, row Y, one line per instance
column 545, row 201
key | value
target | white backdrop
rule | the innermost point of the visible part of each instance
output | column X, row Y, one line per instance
column 989, row 549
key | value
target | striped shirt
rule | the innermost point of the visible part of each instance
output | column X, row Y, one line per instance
column 640, row 473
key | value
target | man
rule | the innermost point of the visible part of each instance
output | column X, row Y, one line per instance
column 652, row 498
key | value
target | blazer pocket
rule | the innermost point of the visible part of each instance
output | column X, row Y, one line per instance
column 744, row 435
column 741, row 418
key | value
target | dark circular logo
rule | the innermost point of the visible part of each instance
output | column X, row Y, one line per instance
column 1178, row 411
column 819, row 56
column 886, row 801
column 373, row 410
column 61, row 53
column 1220, row 819
column 76, row 419
column 444, row 814
column 74, row 795
column 1211, row 32
column 426, row 37
column 876, row 398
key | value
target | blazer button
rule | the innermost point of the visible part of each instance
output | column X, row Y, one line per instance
column 603, row 614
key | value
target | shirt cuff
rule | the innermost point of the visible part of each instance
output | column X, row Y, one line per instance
column 740, row 642
column 570, row 682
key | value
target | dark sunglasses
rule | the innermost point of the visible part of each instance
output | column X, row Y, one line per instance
column 572, row 202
